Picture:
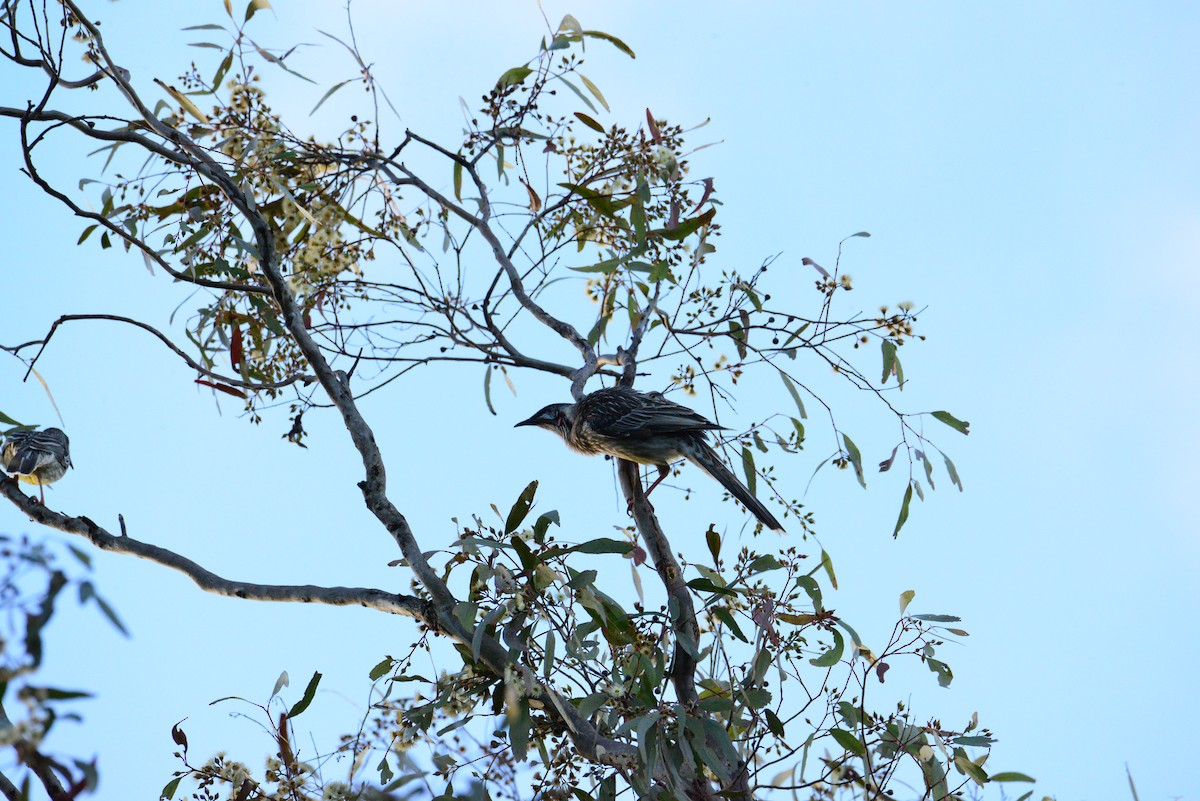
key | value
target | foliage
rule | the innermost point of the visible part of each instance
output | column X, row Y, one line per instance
column 325, row 270
column 32, row 585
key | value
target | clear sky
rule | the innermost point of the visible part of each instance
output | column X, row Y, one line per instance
column 1027, row 170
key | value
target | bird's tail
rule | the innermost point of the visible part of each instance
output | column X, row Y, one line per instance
column 27, row 460
column 704, row 457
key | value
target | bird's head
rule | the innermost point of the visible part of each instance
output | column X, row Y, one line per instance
column 556, row 417
column 59, row 433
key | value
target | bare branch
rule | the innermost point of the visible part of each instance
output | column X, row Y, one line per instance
column 208, row 581
column 66, row 318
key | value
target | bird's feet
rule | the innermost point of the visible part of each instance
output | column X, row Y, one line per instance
column 629, row 506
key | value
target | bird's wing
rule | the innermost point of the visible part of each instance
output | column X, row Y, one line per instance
column 13, row 444
column 626, row 413
column 26, row 451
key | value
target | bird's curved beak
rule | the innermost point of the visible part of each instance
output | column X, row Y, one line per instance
column 532, row 421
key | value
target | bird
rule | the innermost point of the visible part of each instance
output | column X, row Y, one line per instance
column 646, row 428
column 36, row 457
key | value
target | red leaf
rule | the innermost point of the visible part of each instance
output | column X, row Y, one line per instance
column 228, row 390
column 654, row 132
column 178, row 736
column 708, row 188
column 880, row 669
column 639, row 554
column 235, row 346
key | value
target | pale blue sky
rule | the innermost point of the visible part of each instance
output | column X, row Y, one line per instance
column 1027, row 170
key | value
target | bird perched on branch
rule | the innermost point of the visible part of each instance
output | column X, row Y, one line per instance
column 646, row 428
column 36, row 457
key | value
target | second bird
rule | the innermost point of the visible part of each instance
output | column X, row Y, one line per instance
column 36, row 457
column 646, row 428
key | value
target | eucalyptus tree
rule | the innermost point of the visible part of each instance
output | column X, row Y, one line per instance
column 325, row 271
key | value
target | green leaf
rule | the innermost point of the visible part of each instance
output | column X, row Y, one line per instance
column 906, row 598
column 723, row 614
column 748, row 468
column 738, row 334
column 589, row 122
column 548, row 663
column 977, row 740
column 595, row 90
column 307, row 698
column 458, row 180
column 528, row 560
column 603, row 545
column 596, row 546
column 637, row 216
column 889, row 359
column 938, row 618
column 513, row 77
column 569, row 23
column 168, row 792
column 706, row 585
column 971, row 769
column 827, row 563
column 222, row 70
column 385, row 771
column 928, row 468
column 944, row 673
column 329, row 94
column 487, row 387
column 383, row 667
column 954, row 479
column 256, row 6
column 589, row 705
column 848, row 741
column 521, row 508
column 519, row 725
column 952, row 421
column 834, row 654
column 614, row 41
column 82, row 556
column 850, row 713
column 791, row 388
column 903, row 510
column 1011, row 776
column 757, row 697
column 687, row 227
column 855, row 459
column 111, row 614
column 55, row 694
column 714, row 544
column 598, row 200
column 810, row 586
column 774, row 723
column 661, row 272
column 586, row 101
column 764, row 563
column 799, row 431
column 542, row 525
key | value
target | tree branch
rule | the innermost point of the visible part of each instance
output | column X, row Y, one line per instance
column 208, row 581
column 304, row 378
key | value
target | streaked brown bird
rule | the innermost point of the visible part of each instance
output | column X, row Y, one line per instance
column 36, row 457
column 646, row 428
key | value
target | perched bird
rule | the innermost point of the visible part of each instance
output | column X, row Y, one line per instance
column 36, row 457
column 646, row 428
